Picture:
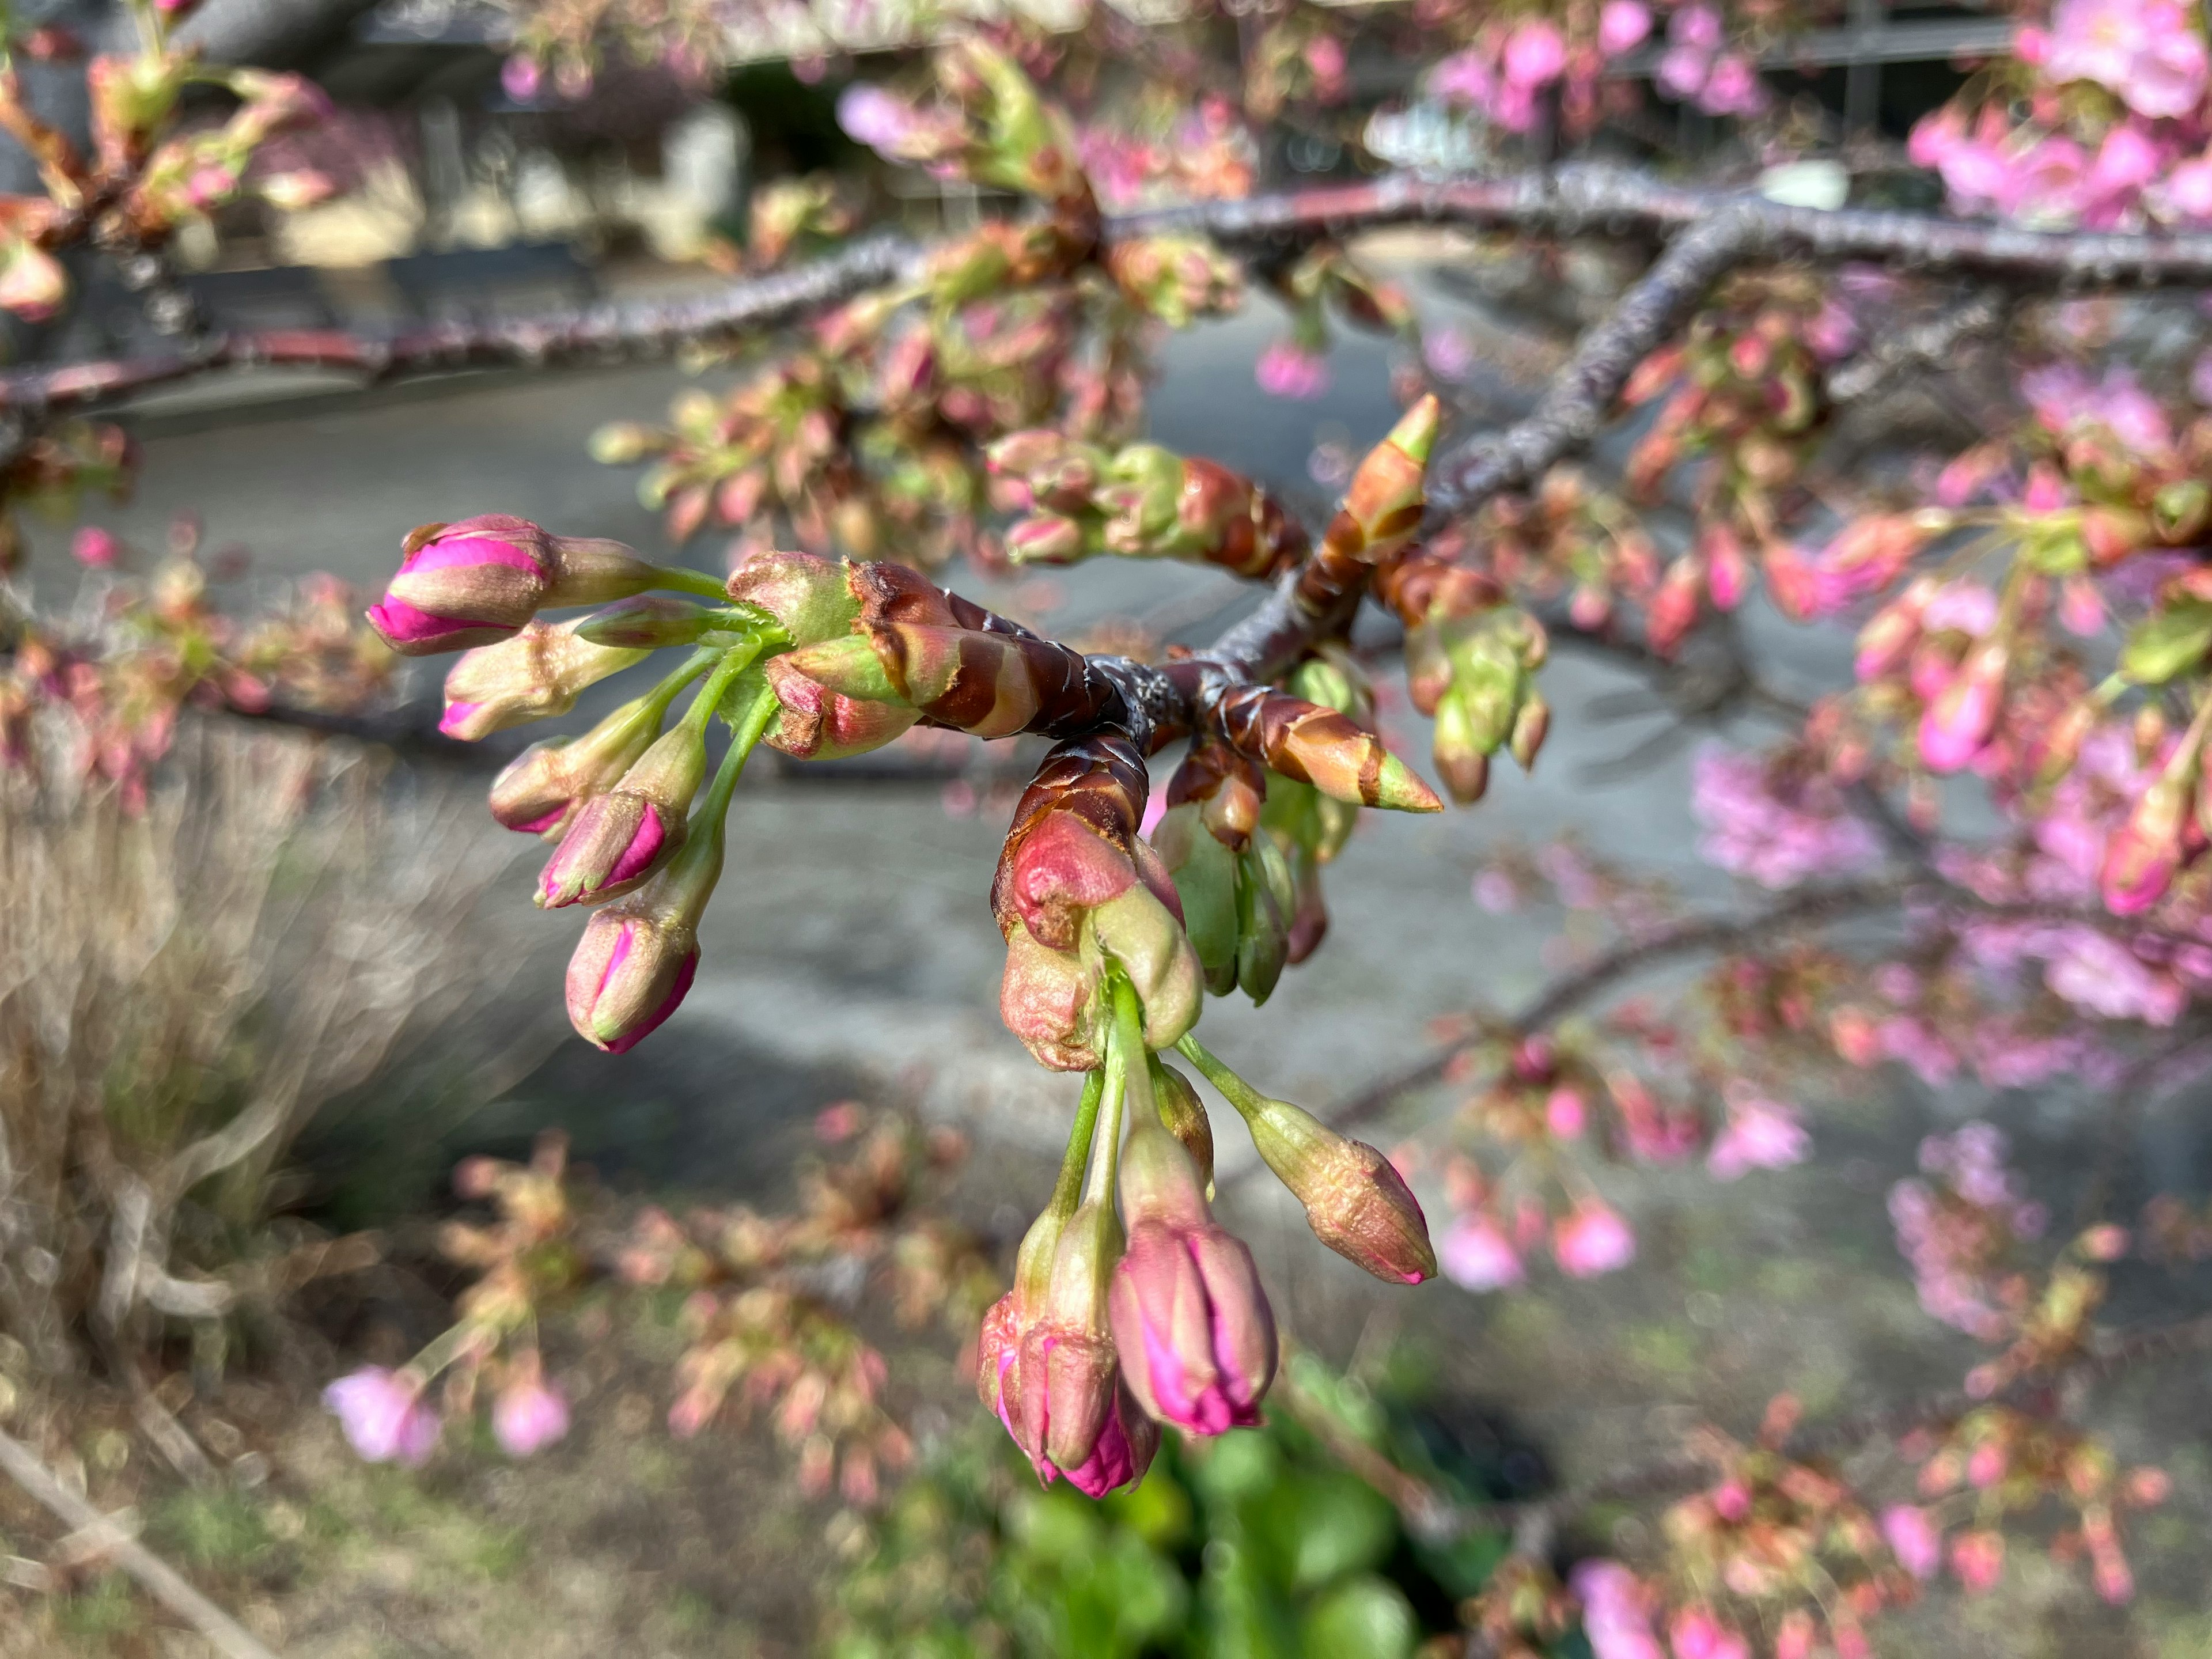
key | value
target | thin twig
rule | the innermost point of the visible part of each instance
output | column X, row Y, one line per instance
column 159, row 1579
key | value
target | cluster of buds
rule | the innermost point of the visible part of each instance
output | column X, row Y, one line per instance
column 137, row 186
column 1176, row 279
column 1121, row 1319
column 1139, row 502
column 1568, row 536
column 1996, row 1462
column 1778, row 1543
column 525, row 1260
column 1297, row 59
column 987, row 123
column 103, row 700
column 1470, row 664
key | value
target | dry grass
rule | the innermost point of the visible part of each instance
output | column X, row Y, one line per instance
column 180, row 991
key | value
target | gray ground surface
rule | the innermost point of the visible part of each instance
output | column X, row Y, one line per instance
column 852, row 946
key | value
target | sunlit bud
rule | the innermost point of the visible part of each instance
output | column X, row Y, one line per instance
column 537, row 674
column 1184, row 1117
column 1320, row 746
column 810, row 598
column 817, row 724
column 1046, row 539
column 481, row 579
column 297, row 190
column 638, row 955
column 648, row 622
column 1048, row 998
column 1356, row 1202
column 1530, row 727
column 620, row 838
column 1957, row 722
column 1145, row 938
column 1382, row 509
column 2143, row 854
column 539, row 790
column 1461, row 760
column 1186, row 1304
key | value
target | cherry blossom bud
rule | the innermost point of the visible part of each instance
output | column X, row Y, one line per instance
column 1069, row 1375
column 648, row 622
column 810, row 598
column 815, row 723
column 1592, row 1239
column 1673, row 608
column 481, row 579
column 1382, row 506
column 1186, row 1305
column 539, row 791
column 1462, row 761
column 2143, row 854
column 538, row 674
column 1183, row 1115
column 529, row 1414
column 1957, row 722
column 32, row 283
column 620, row 838
column 638, row 954
column 384, row 1415
column 1530, row 726
column 1356, row 1202
column 1142, row 937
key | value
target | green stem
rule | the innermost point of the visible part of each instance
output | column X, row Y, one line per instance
column 1234, row 1089
column 1068, row 1191
column 746, row 730
column 1126, row 1040
column 657, row 700
column 731, row 662
column 690, row 581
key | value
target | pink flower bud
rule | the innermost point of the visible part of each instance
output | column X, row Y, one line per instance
column 1914, row 1539
column 1475, row 1253
column 1356, row 1202
column 2143, row 853
column 1957, row 722
column 538, row 674
column 1979, row 1559
column 529, row 1414
column 1694, row 1633
column 620, row 838
column 384, row 1415
column 479, row 580
column 95, row 549
column 539, row 791
column 1592, row 1239
column 1193, row 1325
column 638, row 956
column 32, row 283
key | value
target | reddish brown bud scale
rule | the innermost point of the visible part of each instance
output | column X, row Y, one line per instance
column 1318, row 745
column 1097, row 783
column 1229, row 787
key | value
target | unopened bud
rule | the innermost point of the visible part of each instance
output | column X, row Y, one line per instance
column 1530, row 727
column 537, row 674
column 621, row 837
column 1356, row 1201
column 648, row 622
column 810, row 598
column 539, row 791
column 1184, row 1117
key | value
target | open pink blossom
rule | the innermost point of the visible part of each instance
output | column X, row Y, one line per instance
column 1592, row 1239
column 1475, row 1254
column 1759, row 1134
column 529, row 1414
column 1914, row 1539
column 1286, row 369
column 384, row 1415
column 1622, row 26
column 2150, row 53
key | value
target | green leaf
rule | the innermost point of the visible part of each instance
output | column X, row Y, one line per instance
column 2169, row 643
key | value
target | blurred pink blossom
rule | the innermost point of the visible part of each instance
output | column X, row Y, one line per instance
column 1592, row 1239
column 1759, row 1134
column 1286, row 369
column 1475, row 1253
column 384, row 1415
column 1914, row 1539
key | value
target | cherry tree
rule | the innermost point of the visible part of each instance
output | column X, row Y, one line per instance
column 2031, row 613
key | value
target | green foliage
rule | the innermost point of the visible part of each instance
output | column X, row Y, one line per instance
column 1256, row 1546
